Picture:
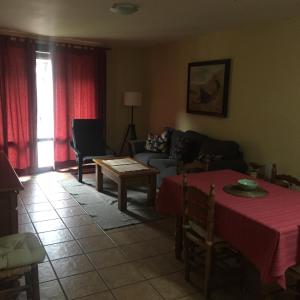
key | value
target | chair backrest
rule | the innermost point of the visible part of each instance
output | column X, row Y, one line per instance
column 88, row 138
column 282, row 179
column 199, row 208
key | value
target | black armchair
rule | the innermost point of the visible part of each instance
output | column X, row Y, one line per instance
column 88, row 141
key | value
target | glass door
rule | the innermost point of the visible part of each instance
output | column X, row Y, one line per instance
column 45, row 114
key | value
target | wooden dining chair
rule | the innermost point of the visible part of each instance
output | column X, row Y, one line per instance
column 20, row 255
column 198, row 230
column 293, row 273
column 284, row 180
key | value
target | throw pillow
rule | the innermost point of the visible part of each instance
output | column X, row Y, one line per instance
column 157, row 143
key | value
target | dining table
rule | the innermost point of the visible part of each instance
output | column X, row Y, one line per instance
column 264, row 229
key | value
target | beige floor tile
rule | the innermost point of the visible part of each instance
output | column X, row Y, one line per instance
column 121, row 275
column 159, row 265
column 72, row 265
column 99, row 296
column 26, row 228
column 129, row 227
column 21, row 210
column 83, row 285
column 51, row 291
column 107, row 258
column 163, row 244
column 43, row 215
column 38, row 207
column 197, row 296
column 46, row 272
column 53, row 237
column 126, row 237
column 23, row 219
column 70, row 211
column 62, row 250
column 53, row 189
column 78, row 220
column 64, row 203
column 173, row 286
column 86, row 231
column 166, row 225
column 49, row 225
column 140, row 250
column 148, row 232
column 137, row 291
column 95, row 243
column 62, row 195
column 34, row 199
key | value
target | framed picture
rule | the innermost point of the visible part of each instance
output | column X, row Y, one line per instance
column 207, row 91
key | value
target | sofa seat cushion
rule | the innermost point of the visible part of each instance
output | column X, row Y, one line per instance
column 145, row 157
column 162, row 164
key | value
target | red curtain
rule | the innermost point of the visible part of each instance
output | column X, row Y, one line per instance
column 79, row 78
column 18, row 102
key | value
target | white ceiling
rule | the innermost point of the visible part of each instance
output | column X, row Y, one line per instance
column 157, row 20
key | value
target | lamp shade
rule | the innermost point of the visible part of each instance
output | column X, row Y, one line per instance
column 132, row 99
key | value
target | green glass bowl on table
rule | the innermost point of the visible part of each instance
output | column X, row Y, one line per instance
column 245, row 188
column 247, row 184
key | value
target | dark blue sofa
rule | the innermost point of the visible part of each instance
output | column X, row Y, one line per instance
column 225, row 154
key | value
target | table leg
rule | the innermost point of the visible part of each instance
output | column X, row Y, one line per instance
column 99, row 178
column 178, row 237
column 152, row 189
column 122, row 195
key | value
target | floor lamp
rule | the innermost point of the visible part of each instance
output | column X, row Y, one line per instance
column 131, row 99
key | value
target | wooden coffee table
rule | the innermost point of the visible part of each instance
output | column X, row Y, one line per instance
column 124, row 171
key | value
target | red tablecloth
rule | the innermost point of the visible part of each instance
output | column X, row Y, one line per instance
column 265, row 230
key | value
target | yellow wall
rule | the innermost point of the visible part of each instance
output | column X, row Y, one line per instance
column 264, row 97
column 126, row 71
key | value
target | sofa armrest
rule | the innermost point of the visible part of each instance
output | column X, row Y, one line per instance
column 137, row 146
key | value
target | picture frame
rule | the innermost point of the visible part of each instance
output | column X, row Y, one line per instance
column 208, row 85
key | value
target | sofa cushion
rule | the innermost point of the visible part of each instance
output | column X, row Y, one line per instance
column 145, row 157
column 187, row 146
column 224, row 149
column 175, row 137
column 183, row 150
column 196, row 140
column 158, row 143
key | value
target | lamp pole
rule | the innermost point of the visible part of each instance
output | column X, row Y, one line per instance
column 131, row 99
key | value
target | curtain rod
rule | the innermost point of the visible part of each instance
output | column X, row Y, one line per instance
column 47, row 39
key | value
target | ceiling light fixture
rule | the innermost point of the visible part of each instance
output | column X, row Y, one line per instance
column 124, row 8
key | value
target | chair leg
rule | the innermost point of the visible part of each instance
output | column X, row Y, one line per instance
column 29, row 285
column 207, row 271
column 35, row 282
column 80, row 162
column 187, row 269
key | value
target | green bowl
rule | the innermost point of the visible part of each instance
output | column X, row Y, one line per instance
column 247, row 184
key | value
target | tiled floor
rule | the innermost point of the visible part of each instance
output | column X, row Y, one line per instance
column 84, row 262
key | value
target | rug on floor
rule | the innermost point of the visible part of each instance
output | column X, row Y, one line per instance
column 103, row 207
